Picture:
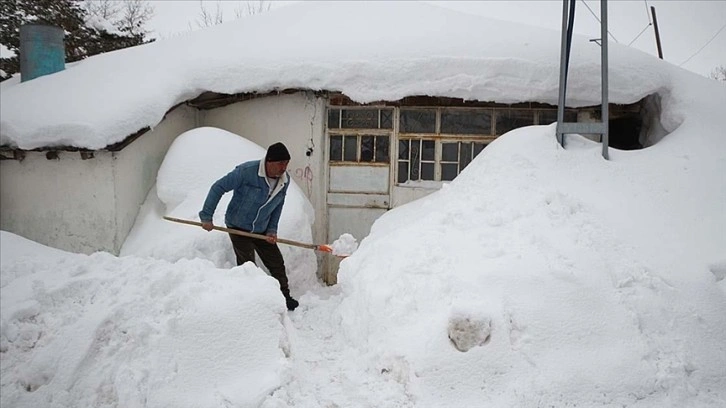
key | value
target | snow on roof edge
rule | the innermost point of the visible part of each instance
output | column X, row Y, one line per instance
column 464, row 63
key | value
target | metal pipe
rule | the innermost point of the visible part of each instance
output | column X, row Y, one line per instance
column 657, row 33
column 604, row 77
column 42, row 50
column 563, row 76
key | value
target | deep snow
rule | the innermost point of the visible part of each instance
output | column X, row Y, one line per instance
column 569, row 280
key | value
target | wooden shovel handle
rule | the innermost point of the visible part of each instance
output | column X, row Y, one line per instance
column 323, row 248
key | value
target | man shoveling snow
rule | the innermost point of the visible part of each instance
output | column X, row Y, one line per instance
column 259, row 188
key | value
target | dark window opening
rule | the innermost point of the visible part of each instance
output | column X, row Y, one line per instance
column 350, row 148
column 418, row 121
column 417, row 159
column 547, row 117
column 359, row 118
column 333, row 118
column 624, row 133
column 386, row 118
column 336, row 148
column 462, row 122
column 508, row 119
column 359, row 148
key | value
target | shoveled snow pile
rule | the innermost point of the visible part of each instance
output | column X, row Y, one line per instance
column 550, row 277
column 162, row 325
column 102, row 331
column 345, row 245
column 195, row 160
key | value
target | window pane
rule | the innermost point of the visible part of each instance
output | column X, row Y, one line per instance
column 403, row 149
column 450, row 151
column 570, row 116
column 429, row 150
column 359, row 118
column 382, row 149
column 386, row 118
column 415, row 159
column 402, row 171
column 366, row 148
column 466, row 122
column 449, row 171
column 478, row 147
column 547, row 116
column 465, row 157
column 350, row 150
column 427, row 171
column 333, row 118
column 336, row 148
column 508, row 119
column 418, row 121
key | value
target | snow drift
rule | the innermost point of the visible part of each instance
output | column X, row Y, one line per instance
column 91, row 331
column 541, row 276
column 598, row 278
column 195, row 160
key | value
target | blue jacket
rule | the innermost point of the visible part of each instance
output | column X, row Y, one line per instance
column 252, row 208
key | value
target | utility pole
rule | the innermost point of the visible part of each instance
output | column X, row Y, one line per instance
column 601, row 128
column 657, row 33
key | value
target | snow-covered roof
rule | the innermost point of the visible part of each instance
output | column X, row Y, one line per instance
column 368, row 51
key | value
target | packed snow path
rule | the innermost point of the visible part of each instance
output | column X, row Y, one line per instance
column 325, row 370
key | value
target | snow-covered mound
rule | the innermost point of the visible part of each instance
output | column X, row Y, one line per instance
column 415, row 49
column 102, row 331
column 550, row 277
column 195, row 160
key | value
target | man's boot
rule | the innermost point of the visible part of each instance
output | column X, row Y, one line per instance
column 291, row 303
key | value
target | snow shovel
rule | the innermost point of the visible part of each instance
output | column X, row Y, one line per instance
column 321, row 248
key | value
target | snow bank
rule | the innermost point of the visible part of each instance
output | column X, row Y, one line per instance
column 195, row 160
column 539, row 277
column 569, row 280
column 415, row 49
column 81, row 331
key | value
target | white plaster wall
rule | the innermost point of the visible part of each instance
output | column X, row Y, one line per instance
column 66, row 203
column 293, row 119
column 136, row 166
column 88, row 205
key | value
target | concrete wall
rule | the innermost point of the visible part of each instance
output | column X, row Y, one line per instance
column 66, row 203
column 85, row 205
column 135, row 168
column 294, row 119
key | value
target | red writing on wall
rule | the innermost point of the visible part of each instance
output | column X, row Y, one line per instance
column 305, row 177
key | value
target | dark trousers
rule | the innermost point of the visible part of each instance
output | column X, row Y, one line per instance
column 244, row 250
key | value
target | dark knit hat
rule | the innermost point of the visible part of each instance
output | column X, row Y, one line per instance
column 277, row 152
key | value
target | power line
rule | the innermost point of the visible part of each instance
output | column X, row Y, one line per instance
column 650, row 23
column 704, row 45
column 638, row 36
column 598, row 20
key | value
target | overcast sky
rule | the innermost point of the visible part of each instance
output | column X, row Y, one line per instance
column 693, row 33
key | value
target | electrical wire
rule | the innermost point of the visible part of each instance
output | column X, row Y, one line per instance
column 598, row 20
column 704, row 45
column 638, row 36
column 650, row 23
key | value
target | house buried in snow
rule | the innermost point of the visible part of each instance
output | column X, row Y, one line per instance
column 374, row 116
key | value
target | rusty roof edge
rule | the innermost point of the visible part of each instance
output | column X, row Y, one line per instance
column 212, row 100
